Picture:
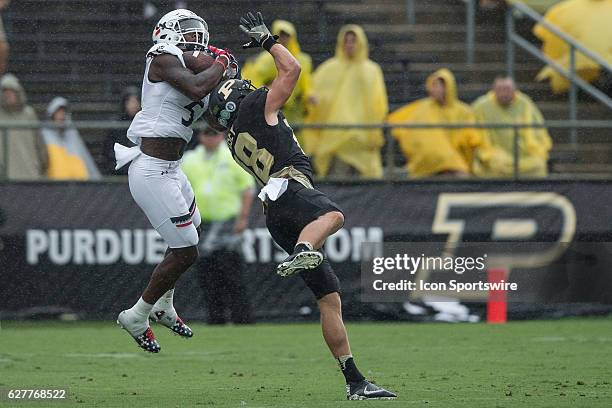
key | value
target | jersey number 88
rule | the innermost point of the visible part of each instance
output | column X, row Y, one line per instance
column 257, row 161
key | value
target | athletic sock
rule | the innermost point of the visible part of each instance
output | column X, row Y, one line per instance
column 136, row 319
column 165, row 304
column 302, row 246
column 141, row 309
column 166, row 301
column 349, row 369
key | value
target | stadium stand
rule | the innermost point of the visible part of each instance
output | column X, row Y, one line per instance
column 89, row 58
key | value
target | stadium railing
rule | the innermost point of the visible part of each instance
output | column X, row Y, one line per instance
column 392, row 171
column 518, row 9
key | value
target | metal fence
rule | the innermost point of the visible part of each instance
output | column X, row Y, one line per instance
column 389, row 152
column 517, row 8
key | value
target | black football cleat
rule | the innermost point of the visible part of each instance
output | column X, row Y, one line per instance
column 299, row 261
column 176, row 325
column 145, row 340
column 365, row 390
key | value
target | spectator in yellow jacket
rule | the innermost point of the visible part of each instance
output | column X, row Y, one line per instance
column 505, row 104
column 437, row 151
column 69, row 158
column 262, row 71
column 350, row 89
column 588, row 22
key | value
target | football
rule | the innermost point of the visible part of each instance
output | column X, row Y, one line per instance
column 197, row 61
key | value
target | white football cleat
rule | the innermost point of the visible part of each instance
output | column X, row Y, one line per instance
column 299, row 261
column 143, row 337
column 174, row 323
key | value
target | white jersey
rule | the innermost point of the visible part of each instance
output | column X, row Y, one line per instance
column 166, row 112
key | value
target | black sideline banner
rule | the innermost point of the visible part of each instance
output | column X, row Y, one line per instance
column 87, row 248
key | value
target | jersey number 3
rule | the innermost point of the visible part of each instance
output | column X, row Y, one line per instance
column 256, row 161
column 193, row 107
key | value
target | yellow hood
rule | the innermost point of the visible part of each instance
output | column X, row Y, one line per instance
column 283, row 25
column 363, row 48
column 449, row 81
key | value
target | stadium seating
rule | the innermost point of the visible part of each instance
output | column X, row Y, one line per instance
column 89, row 58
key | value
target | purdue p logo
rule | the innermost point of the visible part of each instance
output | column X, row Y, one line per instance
column 545, row 222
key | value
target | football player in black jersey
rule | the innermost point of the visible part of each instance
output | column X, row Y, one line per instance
column 299, row 217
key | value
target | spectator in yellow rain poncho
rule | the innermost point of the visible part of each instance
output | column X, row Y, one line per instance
column 505, row 104
column 349, row 89
column 262, row 71
column 69, row 158
column 437, row 151
column 588, row 22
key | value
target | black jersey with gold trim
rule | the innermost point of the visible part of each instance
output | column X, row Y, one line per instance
column 262, row 149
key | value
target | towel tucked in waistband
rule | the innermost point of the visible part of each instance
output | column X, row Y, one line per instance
column 124, row 154
column 273, row 189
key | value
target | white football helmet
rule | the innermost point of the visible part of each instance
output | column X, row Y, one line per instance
column 173, row 26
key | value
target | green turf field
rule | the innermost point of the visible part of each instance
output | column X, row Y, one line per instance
column 524, row 364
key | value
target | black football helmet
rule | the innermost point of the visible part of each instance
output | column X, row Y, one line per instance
column 224, row 102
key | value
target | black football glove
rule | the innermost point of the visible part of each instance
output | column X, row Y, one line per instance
column 255, row 28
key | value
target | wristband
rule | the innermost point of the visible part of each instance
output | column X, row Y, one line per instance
column 225, row 62
column 268, row 43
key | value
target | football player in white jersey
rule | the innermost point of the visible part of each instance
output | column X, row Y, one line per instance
column 173, row 98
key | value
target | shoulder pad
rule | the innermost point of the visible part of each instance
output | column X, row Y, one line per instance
column 165, row 48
